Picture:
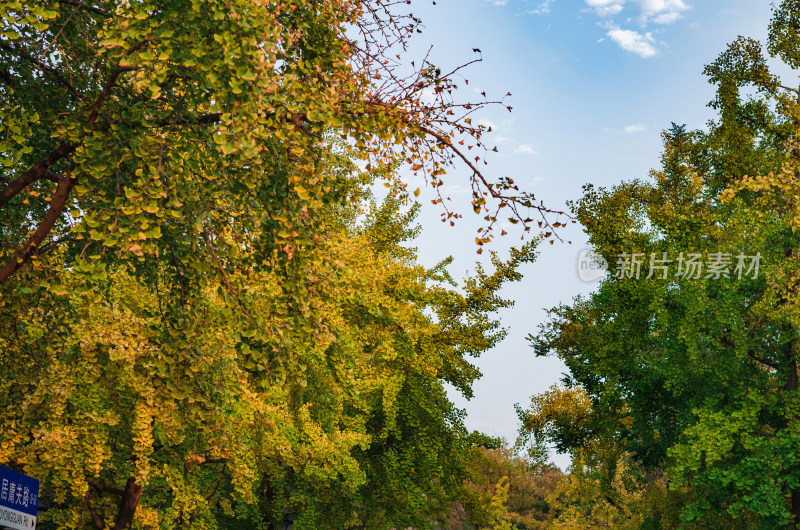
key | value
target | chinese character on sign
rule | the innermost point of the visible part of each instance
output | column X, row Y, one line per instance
column 18, row 496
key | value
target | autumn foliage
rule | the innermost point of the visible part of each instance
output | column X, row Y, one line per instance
column 206, row 320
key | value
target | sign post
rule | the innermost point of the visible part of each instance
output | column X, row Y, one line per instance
column 19, row 497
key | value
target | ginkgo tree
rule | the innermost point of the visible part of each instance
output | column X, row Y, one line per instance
column 133, row 407
column 194, row 332
column 693, row 372
column 156, row 123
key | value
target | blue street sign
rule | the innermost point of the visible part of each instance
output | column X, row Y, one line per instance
column 19, row 496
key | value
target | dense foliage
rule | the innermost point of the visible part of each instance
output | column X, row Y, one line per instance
column 687, row 381
column 504, row 490
column 340, row 420
column 160, row 126
column 208, row 321
column 205, row 320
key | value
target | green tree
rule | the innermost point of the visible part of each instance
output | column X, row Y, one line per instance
column 697, row 376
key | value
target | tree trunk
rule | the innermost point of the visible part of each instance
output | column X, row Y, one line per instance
column 128, row 504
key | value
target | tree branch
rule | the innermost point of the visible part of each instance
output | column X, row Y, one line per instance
column 765, row 362
column 38, row 171
column 82, row 5
column 43, row 68
column 53, row 213
column 179, row 274
column 97, row 519
column 7, row 77
column 750, row 353
column 225, row 280
column 112, row 79
column 53, row 244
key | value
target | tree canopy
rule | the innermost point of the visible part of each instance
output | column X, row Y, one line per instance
column 692, row 372
column 205, row 319
column 159, row 125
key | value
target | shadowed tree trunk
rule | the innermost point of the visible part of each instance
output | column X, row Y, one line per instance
column 127, row 506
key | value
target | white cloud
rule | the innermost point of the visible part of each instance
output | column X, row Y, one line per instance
column 650, row 11
column 661, row 11
column 628, row 129
column 603, row 3
column 428, row 95
column 543, row 8
column 609, row 11
column 526, row 149
column 634, row 128
column 605, row 8
column 667, row 18
column 633, row 41
column 655, row 11
column 653, row 7
column 454, row 189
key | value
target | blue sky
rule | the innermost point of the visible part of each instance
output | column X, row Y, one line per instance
column 593, row 83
